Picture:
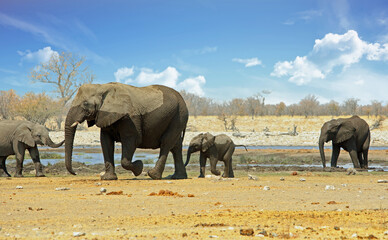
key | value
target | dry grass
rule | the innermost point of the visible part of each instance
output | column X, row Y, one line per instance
column 273, row 123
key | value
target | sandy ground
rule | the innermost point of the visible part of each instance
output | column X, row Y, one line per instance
column 275, row 203
column 306, row 205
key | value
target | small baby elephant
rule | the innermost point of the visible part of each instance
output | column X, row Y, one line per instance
column 216, row 148
column 16, row 137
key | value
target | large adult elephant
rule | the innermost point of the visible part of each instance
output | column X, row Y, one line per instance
column 16, row 137
column 216, row 148
column 138, row 117
column 352, row 134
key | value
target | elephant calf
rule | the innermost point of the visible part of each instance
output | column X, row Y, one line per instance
column 352, row 134
column 216, row 148
column 16, row 137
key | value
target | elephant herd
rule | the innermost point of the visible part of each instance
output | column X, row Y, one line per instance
column 153, row 117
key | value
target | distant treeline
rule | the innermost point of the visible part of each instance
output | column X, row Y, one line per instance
column 256, row 106
column 41, row 107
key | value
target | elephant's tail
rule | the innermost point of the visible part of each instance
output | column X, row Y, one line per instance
column 242, row 146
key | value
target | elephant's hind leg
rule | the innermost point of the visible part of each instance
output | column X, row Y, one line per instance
column 228, row 170
column 156, row 172
column 171, row 140
column 3, row 167
column 180, row 170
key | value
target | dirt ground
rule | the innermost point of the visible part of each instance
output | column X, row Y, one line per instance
column 297, row 205
column 261, row 202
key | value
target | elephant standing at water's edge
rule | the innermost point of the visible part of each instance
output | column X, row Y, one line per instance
column 146, row 117
column 16, row 137
column 352, row 134
column 216, row 148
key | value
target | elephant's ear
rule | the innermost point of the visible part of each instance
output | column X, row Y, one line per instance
column 208, row 141
column 115, row 105
column 345, row 132
column 23, row 134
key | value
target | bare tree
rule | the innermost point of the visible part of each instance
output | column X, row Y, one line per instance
column 8, row 99
column 309, row 105
column 280, row 108
column 66, row 71
column 36, row 107
column 376, row 108
column 350, row 106
column 333, row 108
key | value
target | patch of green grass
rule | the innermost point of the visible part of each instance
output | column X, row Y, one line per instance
column 45, row 155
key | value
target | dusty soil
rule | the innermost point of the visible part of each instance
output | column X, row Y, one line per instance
column 297, row 205
column 269, row 202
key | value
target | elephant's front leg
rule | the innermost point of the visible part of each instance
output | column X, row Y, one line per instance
column 19, row 149
column 202, row 165
column 34, row 153
column 335, row 154
column 128, row 149
column 107, row 145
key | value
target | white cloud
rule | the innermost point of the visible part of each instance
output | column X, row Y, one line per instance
column 168, row 77
column 332, row 51
column 249, row 62
column 301, row 70
column 123, row 74
column 193, row 85
column 41, row 56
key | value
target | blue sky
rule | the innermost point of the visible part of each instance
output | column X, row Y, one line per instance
column 213, row 48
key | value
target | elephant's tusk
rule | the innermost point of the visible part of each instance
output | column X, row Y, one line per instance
column 74, row 124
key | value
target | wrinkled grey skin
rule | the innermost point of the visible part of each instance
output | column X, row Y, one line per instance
column 352, row 134
column 16, row 137
column 146, row 117
column 216, row 148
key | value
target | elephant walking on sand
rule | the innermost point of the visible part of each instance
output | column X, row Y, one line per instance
column 216, row 148
column 352, row 134
column 138, row 117
column 16, row 137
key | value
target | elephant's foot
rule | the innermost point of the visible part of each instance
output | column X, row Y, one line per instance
column 227, row 176
column 136, row 167
column 201, row 176
column 18, row 175
column 179, row 175
column 216, row 172
column 109, row 176
column 154, row 174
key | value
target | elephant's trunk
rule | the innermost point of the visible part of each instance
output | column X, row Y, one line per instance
column 189, row 151
column 322, row 150
column 70, row 129
column 51, row 144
